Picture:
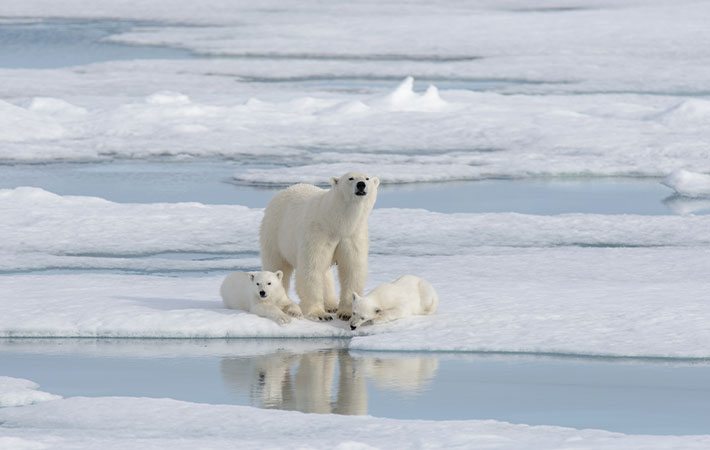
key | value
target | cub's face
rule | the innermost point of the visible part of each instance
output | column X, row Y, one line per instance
column 266, row 284
column 364, row 310
column 356, row 185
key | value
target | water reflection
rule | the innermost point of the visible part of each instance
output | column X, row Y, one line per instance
column 306, row 381
column 687, row 205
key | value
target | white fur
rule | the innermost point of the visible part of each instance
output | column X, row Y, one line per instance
column 309, row 229
column 406, row 296
column 242, row 290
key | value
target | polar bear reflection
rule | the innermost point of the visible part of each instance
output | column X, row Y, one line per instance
column 305, row 381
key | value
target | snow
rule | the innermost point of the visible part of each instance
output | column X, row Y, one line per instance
column 688, row 184
column 620, row 285
column 412, row 136
column 121, row 422
column 19, row 392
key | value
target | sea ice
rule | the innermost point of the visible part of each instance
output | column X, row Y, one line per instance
column 619, row 285
column 18, row 392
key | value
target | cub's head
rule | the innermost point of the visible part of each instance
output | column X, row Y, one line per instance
column 365, row 309
column 357, row 186
column 267, row 284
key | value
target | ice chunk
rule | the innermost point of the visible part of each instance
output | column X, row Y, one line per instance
column 19, row 392
column 403, row 98
column 688, row 184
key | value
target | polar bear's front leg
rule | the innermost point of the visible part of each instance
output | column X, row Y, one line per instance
column 330, row 300
column 270, row 312
column 351, row 256
column 313, row 262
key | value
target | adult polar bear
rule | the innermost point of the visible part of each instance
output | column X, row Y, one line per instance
column 309, row 229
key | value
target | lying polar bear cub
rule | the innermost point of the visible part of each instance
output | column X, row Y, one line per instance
column 406, row 296
column 260, row 293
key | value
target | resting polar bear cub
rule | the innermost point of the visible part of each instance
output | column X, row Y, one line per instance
column 309, row 229
column 406, row 296
column 260, row 293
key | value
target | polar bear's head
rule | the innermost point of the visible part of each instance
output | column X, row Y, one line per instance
column 365, row 309
column 356, row 185
column 267, row 284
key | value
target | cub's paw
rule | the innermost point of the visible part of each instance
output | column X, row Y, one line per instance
column 294, row 311
column 283, row 319
column 343, row 315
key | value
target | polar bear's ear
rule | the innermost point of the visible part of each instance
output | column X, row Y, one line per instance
column 355, row 297
column 279, row 274
column 376, row 181
column 334, row 181
column 251, row 276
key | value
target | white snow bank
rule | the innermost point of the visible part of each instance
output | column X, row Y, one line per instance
column 19, row 392
column 126, row 422
column 688, row 184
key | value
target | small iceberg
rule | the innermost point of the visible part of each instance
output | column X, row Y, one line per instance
column 688, row 184
column 403, row 98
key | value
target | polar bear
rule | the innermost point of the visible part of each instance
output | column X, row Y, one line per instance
column 260, row 293
column 406, row 296
column 309, row 229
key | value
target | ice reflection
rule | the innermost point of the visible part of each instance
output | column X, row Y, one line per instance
column 307, row 381
column 687, row 205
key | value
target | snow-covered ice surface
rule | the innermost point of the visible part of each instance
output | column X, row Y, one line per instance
column 121, row 422
column 427, row 92
column 19, row 392
column 580, row 283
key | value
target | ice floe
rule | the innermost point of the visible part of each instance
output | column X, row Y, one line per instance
column 580, row 283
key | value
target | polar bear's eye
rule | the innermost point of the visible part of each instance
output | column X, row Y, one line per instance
column 367, row 179
column 269, row 283
column 378, row 310
column 258, row 284
column 351, row 178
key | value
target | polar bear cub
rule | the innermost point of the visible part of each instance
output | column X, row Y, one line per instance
column 260, row 293
column 406, row 296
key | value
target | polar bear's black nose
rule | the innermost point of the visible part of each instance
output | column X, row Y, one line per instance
column 353, row 327
column 262, row 293
column 361, row 185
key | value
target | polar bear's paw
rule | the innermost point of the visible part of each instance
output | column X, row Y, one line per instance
column 282, row 319
column 319, row 316
column 331, row 305
column 294, row 310
column 345, row 315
